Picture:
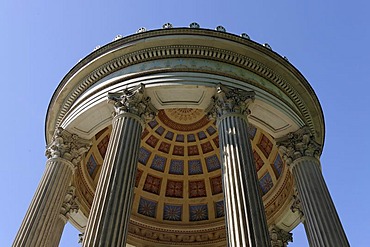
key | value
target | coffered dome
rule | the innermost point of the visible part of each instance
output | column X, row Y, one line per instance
column 178, row 187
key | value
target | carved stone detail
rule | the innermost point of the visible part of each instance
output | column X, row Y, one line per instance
column 282, row 195
column 220, row 29
column 141, row 30
column 297, row 206
column 203, row 52
column 69, row 203
column 133, row 101
column 67, row 146
column 279, row 237
column 298, row 144
column 189, row 238
column 81, row 237
column 167, row 25
column 230, row 100
column 194, row 25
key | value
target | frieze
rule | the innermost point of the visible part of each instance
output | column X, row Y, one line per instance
column 183, row 51
column 182, row 237
column 84, row 192
column 280, row 197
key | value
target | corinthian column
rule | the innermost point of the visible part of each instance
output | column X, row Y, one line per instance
column 39, row 225
column 322, row 224
column 245, row 214
column 110, row 213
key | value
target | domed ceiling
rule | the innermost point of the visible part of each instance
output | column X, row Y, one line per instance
column 178, row 184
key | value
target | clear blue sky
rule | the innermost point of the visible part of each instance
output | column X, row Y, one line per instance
column 328, row 41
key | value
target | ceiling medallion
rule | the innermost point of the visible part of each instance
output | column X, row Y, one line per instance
column 183, row 119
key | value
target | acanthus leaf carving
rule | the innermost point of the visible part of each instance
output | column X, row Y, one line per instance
column 67, row 146
column 133, row 101
column 70, row 202
column 297, row 206
column 279, row 237
column 230, row 100
column 298, row 144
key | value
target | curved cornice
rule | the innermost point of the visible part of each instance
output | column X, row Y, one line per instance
column 179, row 42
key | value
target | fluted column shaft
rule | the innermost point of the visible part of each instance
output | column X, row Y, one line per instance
column 321, row 218
column 69, row 205
column 244, row 211
column 297, row 207
column 60, row 223
column 322, row 223
column 42, row 214
column 39, row 225
column 110, row 213
column 245, row 215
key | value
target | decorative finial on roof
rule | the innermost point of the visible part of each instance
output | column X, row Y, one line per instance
column 118, row 36
column 267, row 46
column 220, row 29
column 167, row 25
column 140, row 30
column 194, row 25
column 245, row 36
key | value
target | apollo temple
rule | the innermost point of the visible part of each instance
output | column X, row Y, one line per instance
column 183, row 137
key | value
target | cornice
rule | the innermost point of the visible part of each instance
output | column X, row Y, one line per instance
column 76, row 88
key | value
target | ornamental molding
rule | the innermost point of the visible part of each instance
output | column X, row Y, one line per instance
column 133, row 101
column 229, row 101
column 183, row 51
column 297, row 145
column 166, row 117
column 84, row 191
column 210, row 235
column 81, row 237
column 67, row 146
column 279, row 237
column 70, row 202
column 280, row 198
column 297, row 206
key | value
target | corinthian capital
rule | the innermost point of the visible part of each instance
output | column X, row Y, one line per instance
column 279, row 237
column 133, row 101
column 69, row 203
column 230, row 100
column 296, row 206
column 298, row 144
column 67, row 146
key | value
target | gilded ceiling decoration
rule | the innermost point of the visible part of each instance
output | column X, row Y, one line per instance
column 179, row 169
